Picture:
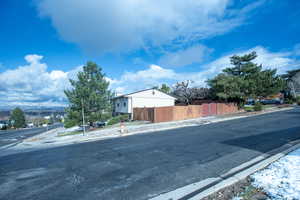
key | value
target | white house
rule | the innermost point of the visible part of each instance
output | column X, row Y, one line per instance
column 124, row 104
column 294, row 83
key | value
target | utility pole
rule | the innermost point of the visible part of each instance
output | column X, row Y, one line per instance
column 82, row 110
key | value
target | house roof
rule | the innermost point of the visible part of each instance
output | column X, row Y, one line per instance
column 126, row 95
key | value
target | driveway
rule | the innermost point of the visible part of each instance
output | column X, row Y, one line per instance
column 144, row 165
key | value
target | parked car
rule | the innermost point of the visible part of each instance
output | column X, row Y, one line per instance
column 270, row 101
column 99, row 124
column 3, row 125
column 250, row 102
column 30, row 125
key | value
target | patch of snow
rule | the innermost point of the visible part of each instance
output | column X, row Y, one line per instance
column 281, row 180
column 237, row 198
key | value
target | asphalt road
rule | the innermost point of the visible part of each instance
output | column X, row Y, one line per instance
column 15, row 136
column 145, row 165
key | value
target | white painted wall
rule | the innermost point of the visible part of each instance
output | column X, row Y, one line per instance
column 147, row 98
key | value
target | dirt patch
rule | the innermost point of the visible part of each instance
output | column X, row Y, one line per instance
column 242, row 190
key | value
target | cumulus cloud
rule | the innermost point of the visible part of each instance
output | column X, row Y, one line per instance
column 33, row 85
column 156, row 75
column 110, row 26
column 191, row 55
column 150, row 77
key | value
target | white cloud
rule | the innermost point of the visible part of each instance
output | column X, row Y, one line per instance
column 142, row 79
column 109, row 26
column 296, row 49
column 156, row 75
column 33, row 85
column 153, row 73
column 191, row 55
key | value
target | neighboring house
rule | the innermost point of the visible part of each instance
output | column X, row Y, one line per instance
column 294, row 83
column 124, row 104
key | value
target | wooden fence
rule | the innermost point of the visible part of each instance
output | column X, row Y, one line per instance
column 174, row 113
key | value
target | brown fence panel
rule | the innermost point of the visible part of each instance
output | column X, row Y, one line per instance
column 163, row 114
column 179, row 112
column 213, row 109
column 194, row 111
column 175, row 113
column 143, row 114
column 226, row 108
column 220, row 109
column 205, row 109
column 187, row 112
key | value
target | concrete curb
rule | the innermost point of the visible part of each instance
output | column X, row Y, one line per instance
column 201, row 189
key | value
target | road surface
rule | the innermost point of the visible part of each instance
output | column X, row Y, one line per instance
column 144, row 165
column 15, row 136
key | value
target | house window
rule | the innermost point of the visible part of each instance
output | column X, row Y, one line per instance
column 118, row 104
column 124, row 104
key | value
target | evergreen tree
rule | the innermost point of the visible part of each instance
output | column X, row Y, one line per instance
column 89, row 93
column 165, row 88
column 245, row 80
column 17, row 118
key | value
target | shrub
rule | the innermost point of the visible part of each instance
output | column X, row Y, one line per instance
column 68, row 123
column 257, row 107
column 289, row 101
column 118, row 119
column 298, row 100
column 248, row 108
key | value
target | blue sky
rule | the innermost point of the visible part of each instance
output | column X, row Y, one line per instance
column 138, row 43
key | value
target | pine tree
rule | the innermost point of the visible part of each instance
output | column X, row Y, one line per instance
column 90, row 93
column 245, row 80
column 165, row 88
column 17, row 118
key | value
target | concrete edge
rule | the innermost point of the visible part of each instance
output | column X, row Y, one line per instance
column 201, row 189
column 245, row 173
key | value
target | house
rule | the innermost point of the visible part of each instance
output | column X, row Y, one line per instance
column 124, row 104
column 294, row 82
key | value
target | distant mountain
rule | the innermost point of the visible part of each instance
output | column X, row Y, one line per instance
column 32, row 108
column 34, row 112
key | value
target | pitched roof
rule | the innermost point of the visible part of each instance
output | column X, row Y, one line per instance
column 126, row 95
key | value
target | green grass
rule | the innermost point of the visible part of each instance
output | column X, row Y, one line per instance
column 248, row 108
column 267, row 106
column 251, row 109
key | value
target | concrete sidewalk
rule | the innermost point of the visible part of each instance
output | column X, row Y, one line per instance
column 51, row 138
